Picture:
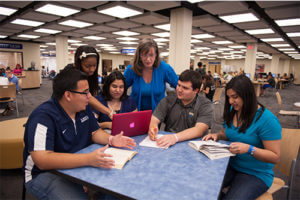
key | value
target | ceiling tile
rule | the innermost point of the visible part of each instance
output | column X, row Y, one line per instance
column 252, row 25
column 229, row 33
column 103, row 28
column 58, row 27
column 226, row 7
column 40, row 16
column 85, row 31
column 146, row 29
column 15, row 4
column 150, row 18
column 219, row 28
column 84, row 4
column 154, row 5
column 284, row 12
column 93, row 16
column 124, row 23
column 16, row 27
column 270, row 4
column 205, row 20
column 72, row 33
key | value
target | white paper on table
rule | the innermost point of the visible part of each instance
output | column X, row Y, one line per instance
column 150, row 143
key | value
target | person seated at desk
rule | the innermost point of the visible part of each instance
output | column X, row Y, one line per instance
column 55, row 130
column 18, row 70
column 255, row 134
column 208, row 87
column 271, row 84
column 114, row 96
column 187, row 114
column 12, row 78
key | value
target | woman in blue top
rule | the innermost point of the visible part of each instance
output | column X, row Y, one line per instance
column 148, row 76
column 114, row 96
column 255, row 135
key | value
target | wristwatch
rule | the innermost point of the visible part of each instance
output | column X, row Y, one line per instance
column 251, row 150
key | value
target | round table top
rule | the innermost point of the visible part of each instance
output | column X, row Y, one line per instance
column 297, row 104
column 12, row 129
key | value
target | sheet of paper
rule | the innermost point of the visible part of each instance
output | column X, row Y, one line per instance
column 150, row 143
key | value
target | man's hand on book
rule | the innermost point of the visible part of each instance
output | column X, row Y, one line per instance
column 98, row 159
column 166, row 141
column 210, row 136
column 123, row 141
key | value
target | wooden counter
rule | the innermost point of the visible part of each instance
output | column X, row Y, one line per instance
column 32, row 79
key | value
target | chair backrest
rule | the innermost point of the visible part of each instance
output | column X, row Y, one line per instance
column 217, row 95
column 20, row 84
column 8, row 91
column 279, row 101
column 290, row 143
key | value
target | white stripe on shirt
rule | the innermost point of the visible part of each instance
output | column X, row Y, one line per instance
column 40, row 137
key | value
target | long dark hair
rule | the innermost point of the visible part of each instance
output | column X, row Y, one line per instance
column 144, row 47
column 115, row 75
column 244, row 88
column 82, row 53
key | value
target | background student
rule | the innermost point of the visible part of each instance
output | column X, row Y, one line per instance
column 114, row 96
column 187, row 114
column 208, row 87
column 148, row 76
column 255, row 134
column 58, row 128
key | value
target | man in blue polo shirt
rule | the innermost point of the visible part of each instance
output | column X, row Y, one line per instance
column 58, row 128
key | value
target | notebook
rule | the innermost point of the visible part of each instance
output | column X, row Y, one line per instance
column 132, row 123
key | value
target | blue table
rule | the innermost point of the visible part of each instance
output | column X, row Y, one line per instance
column 179, row 172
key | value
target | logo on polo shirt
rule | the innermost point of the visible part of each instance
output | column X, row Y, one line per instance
column 191, row 114
column 84, row 119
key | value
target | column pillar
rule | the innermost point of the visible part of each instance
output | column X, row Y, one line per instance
column 250, row 61
column 275, row 68
column 286, row 67
column 61, row 52
column 180, row 37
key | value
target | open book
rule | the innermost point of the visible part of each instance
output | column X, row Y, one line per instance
column 147, row 142
column 120, row 156
column 213, row 150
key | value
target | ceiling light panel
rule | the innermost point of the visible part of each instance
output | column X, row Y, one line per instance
column 238, row 18
column 127, row 38
column 260, row 31
column 45, row 30
column 163, row 34
column 120, row 11
column 272, row 39
column 222, row 42
column 280, row 45
column 26, row 22
column 75, row 23
column 94, row 38
column 3, row 36
column 202, row 36
column 57, row 10
column 29, row 36
column 166, row 27
column 7, row 11
column 288, row 22
column 296, row 34
column 125, row 33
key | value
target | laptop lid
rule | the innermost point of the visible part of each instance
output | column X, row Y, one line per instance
column 131, row 123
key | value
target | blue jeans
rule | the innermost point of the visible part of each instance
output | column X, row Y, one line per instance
column 50, row 186
column 242, row 186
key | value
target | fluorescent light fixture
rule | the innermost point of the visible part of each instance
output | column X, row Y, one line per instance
column 227, row 53
column 128, row 42
column 222, row 42
column 272, row 39
column 246, row 17
column 280, row 45
column 211, row 55
column 75, row 23
column 3, row 36
column 291, row 52
column 71, row 48
column 166, row 27
column 163, row 34
column 43, row 46
column 78, row 44
column 237, row 52
column 105, row 45
column 162, row 54
column 211, row 58
column 161, row 40
column 287, row 49
column 26, row 22
column 237, row 47
column 202, row 48
column 127, row 38
column 126, row 33
column 74, row 41
column 296, row 34
column 195, row 1
column 196, row 41
column 42, row 49
column 161, row 43
column 45, row 30
column 288, row 22
column 57, row 10
column 28, row 36
column 260, row 31
column 225, row 49
column 94, row 37
column 51, row 43
column 120, row 11
column 203, row 36
column 7, row 11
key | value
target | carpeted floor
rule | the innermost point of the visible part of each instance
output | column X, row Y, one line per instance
column 11, row 180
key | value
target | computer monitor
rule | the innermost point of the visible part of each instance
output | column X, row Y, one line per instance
column 248, row 75
column 274, row 75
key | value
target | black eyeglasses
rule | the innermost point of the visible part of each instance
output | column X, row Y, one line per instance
column 85, row 92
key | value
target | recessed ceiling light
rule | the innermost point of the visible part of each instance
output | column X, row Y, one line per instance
column 161, row 43
column 74, row 41
column 105, row 45
column 163, row 34
column 45, row 30
column 195, row 1
column 260, row 31
column 291, row 52
column 296, row 34
column 287, row 49
column 272, row 39
column 288, row 22
column 127, row 38
column 75, row 23
column 3, row 36
column 237, row 47
column 125, row 33
column 26, row 22
column 127, row 42
column 246, row 17
column 161, row 40
column 43, row 46
column 120, row 11
column 225, row 49
column 202, row 48
column 78, row 44
column 222, row 42
column 28, row 36
column 166, row 27
column 203, row 36
column 280, row 45
column 7, row 11
column 91, row 37
column 57, row 10
column 51, row 43
column 195, row 41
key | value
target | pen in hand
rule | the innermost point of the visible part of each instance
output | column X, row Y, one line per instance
column 154, row 132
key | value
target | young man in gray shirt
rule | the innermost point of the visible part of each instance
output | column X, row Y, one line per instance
column 187, row 114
